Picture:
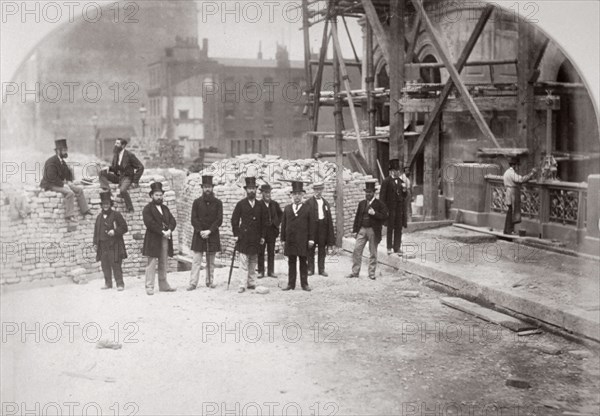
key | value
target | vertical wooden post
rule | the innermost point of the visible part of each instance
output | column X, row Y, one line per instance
column 317, row 87
column 525, row 94
column 370, row 83
column 339, row 150
column 430, row 177
column 307, row 57
column 396, row 73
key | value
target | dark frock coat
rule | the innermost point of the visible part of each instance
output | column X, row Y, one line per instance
column 154, row 227
column 297, row 230
column 207, row 214
column 248, row 225
column 117, row 244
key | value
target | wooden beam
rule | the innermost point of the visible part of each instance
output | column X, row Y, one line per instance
column 330, row 63
column 396, row 74
column 317, row 86
column 370, row 85
column 380, row 34
column 472, row 63
column 464, row 56
column 456, row 105
column 340, row 59
column 356, row 58
column 339, row 156
column 460, row 86
column 525, row 94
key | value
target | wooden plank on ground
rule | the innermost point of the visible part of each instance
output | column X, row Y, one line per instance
column 487, row 314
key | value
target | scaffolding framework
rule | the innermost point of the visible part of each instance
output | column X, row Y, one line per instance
column 406, row 98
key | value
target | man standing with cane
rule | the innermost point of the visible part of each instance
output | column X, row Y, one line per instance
column 324, row 235
column 207, row 217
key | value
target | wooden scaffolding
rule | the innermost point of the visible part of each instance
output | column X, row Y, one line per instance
column 403, row 99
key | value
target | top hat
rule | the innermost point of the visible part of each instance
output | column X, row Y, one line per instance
column 265, row 188
column 105, row 197
column 370, row 186
column 155, row 187
column 207, row 180
column 60, row 144
column 318, row 185
column 394, row 164
column 297, row 186
column 250, row 182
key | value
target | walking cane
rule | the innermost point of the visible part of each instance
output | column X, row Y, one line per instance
column 232, row 261
column 209, row 283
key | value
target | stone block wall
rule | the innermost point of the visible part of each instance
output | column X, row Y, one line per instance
column 41, row 245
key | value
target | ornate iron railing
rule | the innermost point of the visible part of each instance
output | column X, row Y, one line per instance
column 556, row 202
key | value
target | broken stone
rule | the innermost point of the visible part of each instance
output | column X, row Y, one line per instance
column 518, row 383
column 548, row 349
column 108, row 344
column 410, row 293
column 261, row 290
column 581, row 353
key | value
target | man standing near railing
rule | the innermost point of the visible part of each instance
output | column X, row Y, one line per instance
column 512, row 183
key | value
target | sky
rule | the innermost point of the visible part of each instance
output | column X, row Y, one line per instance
column 574, row 24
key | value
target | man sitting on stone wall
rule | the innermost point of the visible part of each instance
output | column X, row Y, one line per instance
column 126, row 170
column 58, row 177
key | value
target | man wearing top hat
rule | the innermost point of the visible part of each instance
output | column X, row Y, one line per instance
column 248, row 223
column 512, row 196
column 324, row 235
column 297, row 236
column 158, row 240
column 108, row 241
column 274, row 214
column 370, row 215
column 207, row 217
column 58, row 177
column 393, row 194
column 125, row 169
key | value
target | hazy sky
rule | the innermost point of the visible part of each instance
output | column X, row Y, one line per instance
column 573, row 24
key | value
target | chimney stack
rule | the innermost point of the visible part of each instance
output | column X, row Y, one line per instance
column 205, row 47
column 260, row 54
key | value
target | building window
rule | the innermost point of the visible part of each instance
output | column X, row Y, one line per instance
column 249, row 134
column 183, row 138
column 232, row 147
column 229, row 110
column 184, row 114
column 268, row 108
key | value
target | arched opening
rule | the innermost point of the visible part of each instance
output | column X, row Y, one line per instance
column 430, row 75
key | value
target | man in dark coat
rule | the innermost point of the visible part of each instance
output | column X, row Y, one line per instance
column 207, row 217
column 274, row 214
column 58, row 177
column 370, row 215
column 125, row 169
column 108, row 240
column 247, row 222
column 297, row 236
column 158, row 241
column 323, row 224
column 393, row 194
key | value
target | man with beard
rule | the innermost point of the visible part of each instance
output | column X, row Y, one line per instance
column 108, row 241
column 297, row 236
column 158, row 240
column 247, row 222
column 274, row 214
column 393, row 194
column 126, row 170
column 207, row 217
column 370, row 215
column 58, row 177
column 324, row 235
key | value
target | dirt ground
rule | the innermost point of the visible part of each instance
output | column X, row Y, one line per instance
column 350, row 347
